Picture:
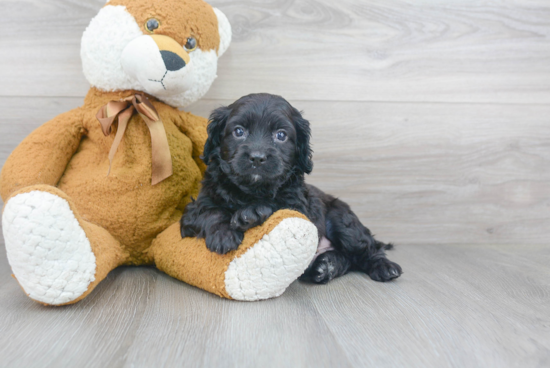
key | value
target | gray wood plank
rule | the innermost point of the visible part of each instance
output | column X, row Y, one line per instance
column 439, row 50
column 414, row 173
column 95, row 332
column 455, row 306
column 139, row 317
column 442, row 180
column 203, row 330
column 434, row 173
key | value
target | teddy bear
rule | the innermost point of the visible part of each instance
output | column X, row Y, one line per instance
column 105, row 184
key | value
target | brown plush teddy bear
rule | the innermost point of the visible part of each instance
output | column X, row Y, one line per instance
column 105, row 184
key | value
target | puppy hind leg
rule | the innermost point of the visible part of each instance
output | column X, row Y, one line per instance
column 326, row 267
column 378, row 267
column 355, row 241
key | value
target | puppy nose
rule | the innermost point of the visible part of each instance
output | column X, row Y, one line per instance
column 172, row 61
column 257, row 158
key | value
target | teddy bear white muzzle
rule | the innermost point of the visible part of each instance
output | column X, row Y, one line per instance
column 159, row 64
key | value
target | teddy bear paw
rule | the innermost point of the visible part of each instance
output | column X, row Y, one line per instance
column 48, row 250
column 274, row 262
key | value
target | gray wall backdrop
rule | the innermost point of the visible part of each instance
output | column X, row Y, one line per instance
column 431, row 118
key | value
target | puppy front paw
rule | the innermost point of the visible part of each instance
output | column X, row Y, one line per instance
column 249, row 217
column 187, row 231
column 384, row 270
column 224, row 240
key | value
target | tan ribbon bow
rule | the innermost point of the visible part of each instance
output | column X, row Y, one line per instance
column 123, row 110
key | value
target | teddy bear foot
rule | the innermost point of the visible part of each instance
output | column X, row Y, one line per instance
column 48, row 250
column 274, row 262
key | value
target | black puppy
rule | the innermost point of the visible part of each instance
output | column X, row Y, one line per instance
column 257, row 153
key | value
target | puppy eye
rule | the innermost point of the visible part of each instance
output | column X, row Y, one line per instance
column 238, row 132
column 151, row 25
column 281, row 136
column 191, row 44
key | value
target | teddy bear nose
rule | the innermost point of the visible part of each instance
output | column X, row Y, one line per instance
column 172, row 61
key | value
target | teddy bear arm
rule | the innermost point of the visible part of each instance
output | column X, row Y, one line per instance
column 41, row 158
column 194, row 127
column 270, row 257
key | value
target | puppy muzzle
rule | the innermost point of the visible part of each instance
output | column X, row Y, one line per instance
column 257, row 165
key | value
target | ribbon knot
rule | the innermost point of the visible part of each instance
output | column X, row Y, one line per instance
column 123, row 111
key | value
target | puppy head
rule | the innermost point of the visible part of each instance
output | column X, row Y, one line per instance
column 260, row 139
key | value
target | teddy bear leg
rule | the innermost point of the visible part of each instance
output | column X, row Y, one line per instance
column 56, row 256
column 268, row 260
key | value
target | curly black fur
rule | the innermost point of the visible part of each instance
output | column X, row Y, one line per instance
column 257, row 153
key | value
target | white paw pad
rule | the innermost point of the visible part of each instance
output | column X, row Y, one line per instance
column 272, row 264
column 47, row 249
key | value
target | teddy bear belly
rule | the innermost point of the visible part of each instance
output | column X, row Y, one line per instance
column 127, row 205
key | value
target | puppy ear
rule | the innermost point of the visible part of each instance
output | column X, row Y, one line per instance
column 303, row 148
column 215, row 129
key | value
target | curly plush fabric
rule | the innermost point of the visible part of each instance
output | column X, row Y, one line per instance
column 273, row 263
column 178, row 19
column 71, row 153
column 121, row 22
column 49, row 252
column 67, row 223
column 269, row 259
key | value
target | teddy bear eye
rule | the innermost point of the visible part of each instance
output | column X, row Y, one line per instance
column 151, row 25
column 191, row 44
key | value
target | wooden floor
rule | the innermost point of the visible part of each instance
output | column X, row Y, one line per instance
column 431, row 118
column 456, row 306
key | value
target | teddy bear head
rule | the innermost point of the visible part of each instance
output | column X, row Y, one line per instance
column 166, row 48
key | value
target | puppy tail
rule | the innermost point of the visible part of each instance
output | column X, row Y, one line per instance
column 384, row 246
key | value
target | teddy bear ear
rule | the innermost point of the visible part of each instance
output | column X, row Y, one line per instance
column 224, row 29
